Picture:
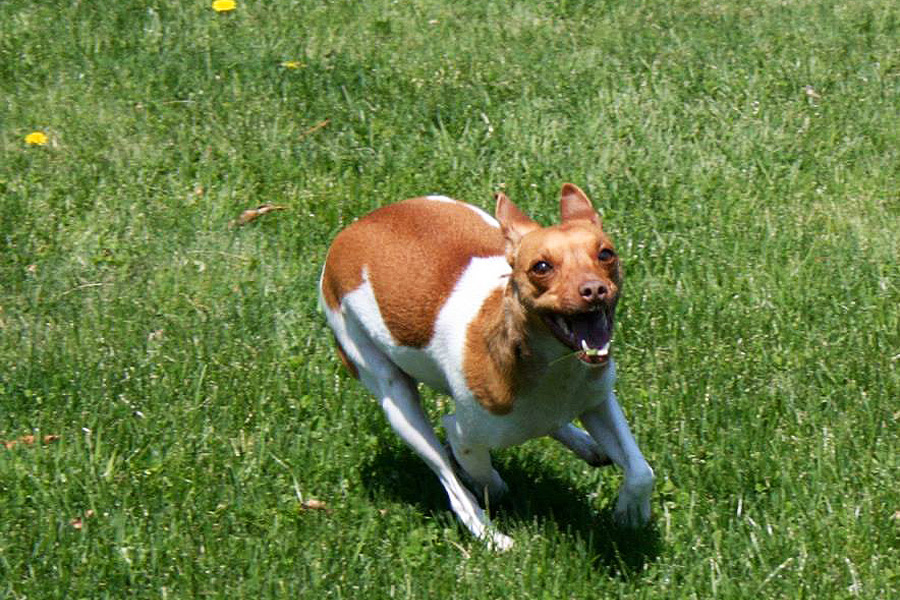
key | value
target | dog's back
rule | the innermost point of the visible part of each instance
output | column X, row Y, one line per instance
column 393, row 272
column 412, row 253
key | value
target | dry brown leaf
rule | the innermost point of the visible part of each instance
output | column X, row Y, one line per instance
column 313, row 504
column 252, row 214
column 78, row 522
column 29, row 440
column 315, row 128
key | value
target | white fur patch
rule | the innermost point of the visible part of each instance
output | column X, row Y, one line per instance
column 478, row 281
column 485, row 216
column 362, row 305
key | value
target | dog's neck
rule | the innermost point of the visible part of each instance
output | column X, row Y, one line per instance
column 505, row 350
column 506, row 334
column 495, row 346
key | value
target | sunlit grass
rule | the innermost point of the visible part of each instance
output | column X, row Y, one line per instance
column 744, row 157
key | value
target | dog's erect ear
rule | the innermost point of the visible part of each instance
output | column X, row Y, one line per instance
column 513, row 223
column 574, row 204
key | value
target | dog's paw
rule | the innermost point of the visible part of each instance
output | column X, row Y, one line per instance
column 496, row 541
column 632, row 514
column 583, row 446
column 489, row 494
column 590, row 452
column 598, row 459
column 633, row 505
column 491, row 491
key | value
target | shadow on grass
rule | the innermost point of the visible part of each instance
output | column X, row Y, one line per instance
column 536, row 495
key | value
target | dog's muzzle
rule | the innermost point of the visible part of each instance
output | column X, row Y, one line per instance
column 588, row 334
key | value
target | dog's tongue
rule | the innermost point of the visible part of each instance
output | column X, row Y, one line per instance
column 592, row 329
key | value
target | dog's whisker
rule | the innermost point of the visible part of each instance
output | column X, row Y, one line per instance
column 565, row 356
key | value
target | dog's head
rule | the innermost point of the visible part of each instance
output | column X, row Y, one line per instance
column 567, row 277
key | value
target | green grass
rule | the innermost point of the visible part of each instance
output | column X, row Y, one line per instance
column 192, row 383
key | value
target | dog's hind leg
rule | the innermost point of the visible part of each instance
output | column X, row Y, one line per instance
column 582, row 445
column 399, row 399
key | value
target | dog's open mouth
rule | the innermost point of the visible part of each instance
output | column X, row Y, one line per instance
column 587, row 333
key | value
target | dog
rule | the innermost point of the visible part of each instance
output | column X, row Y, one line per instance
column 511, row 319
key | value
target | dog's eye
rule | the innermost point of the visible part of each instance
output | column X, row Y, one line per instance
column 606, row 254
column 541, row 267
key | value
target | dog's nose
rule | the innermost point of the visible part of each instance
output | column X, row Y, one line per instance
column 593, row 290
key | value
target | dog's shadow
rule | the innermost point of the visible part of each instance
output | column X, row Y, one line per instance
column 536, row 494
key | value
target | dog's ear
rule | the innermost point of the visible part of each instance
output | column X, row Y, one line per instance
column 574, row 204
column 513, row 223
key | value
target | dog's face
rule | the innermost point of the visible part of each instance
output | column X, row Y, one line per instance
column 568, row 276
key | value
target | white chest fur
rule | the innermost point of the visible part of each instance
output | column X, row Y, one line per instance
column 543, row 404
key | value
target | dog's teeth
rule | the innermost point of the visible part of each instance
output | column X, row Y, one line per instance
column 562, row 325
column 594, row 351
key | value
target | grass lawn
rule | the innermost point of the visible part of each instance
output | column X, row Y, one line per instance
column 203, row 441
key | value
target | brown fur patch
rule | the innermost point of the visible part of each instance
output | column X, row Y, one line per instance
column 414, row 251
column 345, row 359
column 490, row 356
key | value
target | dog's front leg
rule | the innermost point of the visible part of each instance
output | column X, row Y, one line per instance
column 581, row 444
column 607, row 425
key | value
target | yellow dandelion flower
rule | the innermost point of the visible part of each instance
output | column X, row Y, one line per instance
column 36, row 138
column 292, row 64
column 224, row 5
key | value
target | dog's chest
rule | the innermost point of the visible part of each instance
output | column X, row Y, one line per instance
column 542, row 405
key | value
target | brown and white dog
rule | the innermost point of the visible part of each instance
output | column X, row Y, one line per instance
column 512, row 319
